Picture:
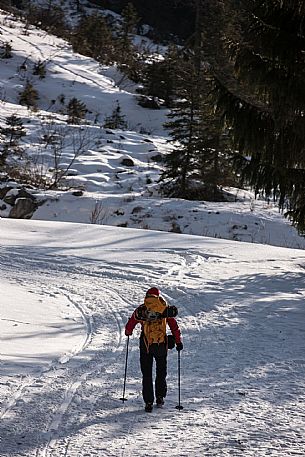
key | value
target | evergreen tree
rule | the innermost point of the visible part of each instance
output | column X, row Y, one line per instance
column 126, row 54
column 215, row 161
column 199, row 164
column 11, row 134
column 29, row 96
column 184, row 123
column 260, row 88
column 168, row 18
column 76, row 111
column 215, row 164
column 6, row 51
column 14, row 130
column 50, row 18
column 129, row 25
column 116, row 120
column 159, row 77
column 93, row 37
column 40, row 69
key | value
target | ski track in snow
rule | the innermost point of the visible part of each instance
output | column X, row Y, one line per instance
column 50, row 435
column 53, row 372
column 73, row 408
column 71, row 388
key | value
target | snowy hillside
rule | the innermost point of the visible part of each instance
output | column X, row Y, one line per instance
column 73, row 274
column 114, row 176
column 67, row 291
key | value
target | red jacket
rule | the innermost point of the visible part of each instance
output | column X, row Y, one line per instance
column 171, row 321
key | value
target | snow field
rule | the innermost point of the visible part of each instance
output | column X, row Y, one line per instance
column 242, row 318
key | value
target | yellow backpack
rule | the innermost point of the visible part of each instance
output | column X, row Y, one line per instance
column 154, row 327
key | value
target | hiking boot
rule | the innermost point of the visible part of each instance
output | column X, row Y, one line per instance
column 148, row 407
column 160, row 402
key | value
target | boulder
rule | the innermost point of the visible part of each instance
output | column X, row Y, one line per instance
column 10, row 199
column 23, row 209
column 78, row 193
column 23, row 193
column 13, row 194
column 127, row 161
column 4, row 191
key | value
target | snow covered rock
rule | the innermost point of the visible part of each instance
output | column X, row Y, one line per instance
column 127, row 161
column 23, row 208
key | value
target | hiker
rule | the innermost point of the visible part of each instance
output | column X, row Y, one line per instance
column 153, row 316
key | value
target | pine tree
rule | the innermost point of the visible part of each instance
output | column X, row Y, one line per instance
column 76, row 111
column 129, row 25
column 50, row 18
column 40, row 69
column 14, row 130
column 29, row 96
column 200, row 163
column 93, row 37
column 116, row 120
column 183, row 164
column 11, row 134
column 259, row 79
column 6, row 51
column 159, row 76
column 126, row 54
column 215, row 161
column 215, row 164
column 184, row 123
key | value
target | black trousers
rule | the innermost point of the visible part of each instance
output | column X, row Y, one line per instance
column 159, row 353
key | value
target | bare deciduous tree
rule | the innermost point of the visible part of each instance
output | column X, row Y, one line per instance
column 65, row 144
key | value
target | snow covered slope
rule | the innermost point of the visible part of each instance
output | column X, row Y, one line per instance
column 241, row 312
column 68, row 74
column 117, row 174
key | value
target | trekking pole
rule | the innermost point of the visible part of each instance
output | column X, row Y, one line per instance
column 179, row 406
column 125, row 375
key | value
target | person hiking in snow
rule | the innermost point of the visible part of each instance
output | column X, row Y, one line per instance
column 153, row 316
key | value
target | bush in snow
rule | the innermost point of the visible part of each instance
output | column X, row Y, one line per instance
column 11, row 135
column 6, row 51
column 40, row 69
column 29, row 96
column 76, row 111
column 116, row 120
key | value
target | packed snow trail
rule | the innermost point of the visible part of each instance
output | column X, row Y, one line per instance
column 241, row 312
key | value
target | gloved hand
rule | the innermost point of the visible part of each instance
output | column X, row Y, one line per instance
column 179, row 347
column 128, row 333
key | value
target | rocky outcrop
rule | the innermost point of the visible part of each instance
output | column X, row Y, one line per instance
column 18, row 202
column 4, row 191
column 23, row 208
